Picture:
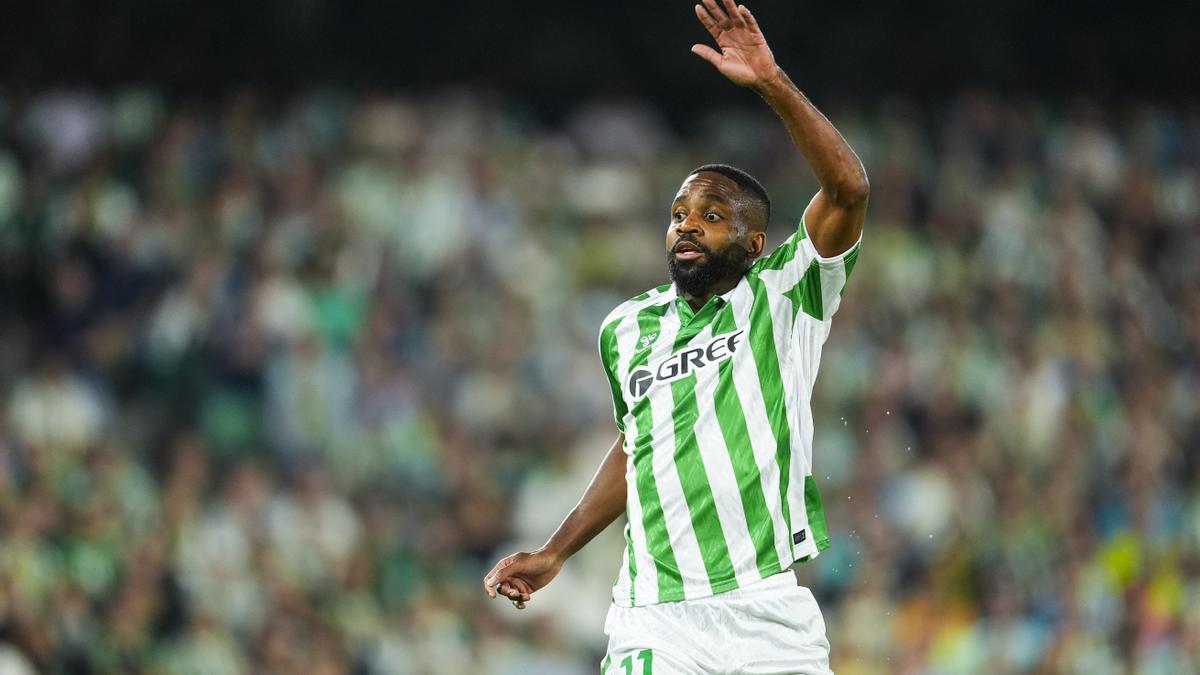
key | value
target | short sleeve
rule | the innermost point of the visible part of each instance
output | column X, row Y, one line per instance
column 609, row 358
column 812, row 282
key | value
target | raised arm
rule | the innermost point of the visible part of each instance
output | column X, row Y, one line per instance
column 835, row 215
column 520, row 574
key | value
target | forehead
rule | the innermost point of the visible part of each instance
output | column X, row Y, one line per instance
column 710, row 183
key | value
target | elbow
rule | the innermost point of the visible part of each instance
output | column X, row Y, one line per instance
column 852, row 193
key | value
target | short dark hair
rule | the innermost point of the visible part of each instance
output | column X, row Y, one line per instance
column 748, row 184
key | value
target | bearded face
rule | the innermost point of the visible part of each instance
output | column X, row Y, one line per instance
column 696, row 276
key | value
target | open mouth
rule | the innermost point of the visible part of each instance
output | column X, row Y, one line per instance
column 686, row 250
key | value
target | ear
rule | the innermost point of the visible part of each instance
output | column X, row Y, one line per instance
column 756, row 242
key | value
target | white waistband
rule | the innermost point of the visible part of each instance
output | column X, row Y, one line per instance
column 772, row 584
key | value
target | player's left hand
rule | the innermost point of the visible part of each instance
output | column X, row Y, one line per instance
column 744, row 56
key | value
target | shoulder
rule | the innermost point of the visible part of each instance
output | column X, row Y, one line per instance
column 791, row 252
column 634, row 305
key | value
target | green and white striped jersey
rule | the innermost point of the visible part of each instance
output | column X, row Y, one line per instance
column 718, row 428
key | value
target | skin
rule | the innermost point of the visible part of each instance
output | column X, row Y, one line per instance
column 710, row 209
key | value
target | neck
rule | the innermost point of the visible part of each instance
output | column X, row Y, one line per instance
column 719, row 288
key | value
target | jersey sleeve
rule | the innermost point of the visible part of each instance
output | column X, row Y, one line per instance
column 811, row 281
column 609, row 359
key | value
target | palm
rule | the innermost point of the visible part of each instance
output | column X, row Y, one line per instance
column 744, row 56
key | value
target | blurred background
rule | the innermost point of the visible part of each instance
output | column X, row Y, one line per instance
column 299, row 304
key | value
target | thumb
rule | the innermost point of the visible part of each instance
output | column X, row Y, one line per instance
column 708, row 54
column 497, row 575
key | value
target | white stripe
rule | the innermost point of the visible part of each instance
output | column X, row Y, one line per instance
column 645, row 585
column 809, row 335
column 622, row 585
column 670, row 490
column 718, row 466
column 799, row 417
column 762, row 440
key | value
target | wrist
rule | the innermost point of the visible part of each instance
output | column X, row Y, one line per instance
column 773, row 84
column 557, row 554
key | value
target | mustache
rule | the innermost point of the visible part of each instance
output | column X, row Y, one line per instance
column 691, row 240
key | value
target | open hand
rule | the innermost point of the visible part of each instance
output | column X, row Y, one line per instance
column 744, row 56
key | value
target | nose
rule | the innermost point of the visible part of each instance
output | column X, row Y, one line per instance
column 689, row 224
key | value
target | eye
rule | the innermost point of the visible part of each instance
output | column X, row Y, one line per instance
column 678, row 216
column 712, row 216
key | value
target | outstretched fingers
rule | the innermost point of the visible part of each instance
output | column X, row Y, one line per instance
column 719, row 16
column 709, row 23
column 751, row 22
column 731, row 10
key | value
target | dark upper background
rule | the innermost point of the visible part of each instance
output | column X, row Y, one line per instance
column 553, row 53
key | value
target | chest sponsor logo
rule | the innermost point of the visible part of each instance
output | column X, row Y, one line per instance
column 682, row 364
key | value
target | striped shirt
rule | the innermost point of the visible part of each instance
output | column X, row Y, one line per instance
column 714, row 405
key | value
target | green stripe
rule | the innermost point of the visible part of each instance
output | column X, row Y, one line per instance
column 697, row 491
column 732, row 420
column 806, row 294
column 610, row 359
column 816, row 513
column 851, row 260
column 632, row 557
column 654, row 521
column 770, row 381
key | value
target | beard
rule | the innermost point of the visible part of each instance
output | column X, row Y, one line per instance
column 696, row 278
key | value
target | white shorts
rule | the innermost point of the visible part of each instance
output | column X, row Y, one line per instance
column 773, row 626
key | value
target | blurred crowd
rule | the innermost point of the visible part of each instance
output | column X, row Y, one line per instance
column 281, row 377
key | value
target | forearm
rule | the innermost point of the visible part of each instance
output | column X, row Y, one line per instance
column 838, row 169
column 600, row 505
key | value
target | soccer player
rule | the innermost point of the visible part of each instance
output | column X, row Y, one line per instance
column 711, row 380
